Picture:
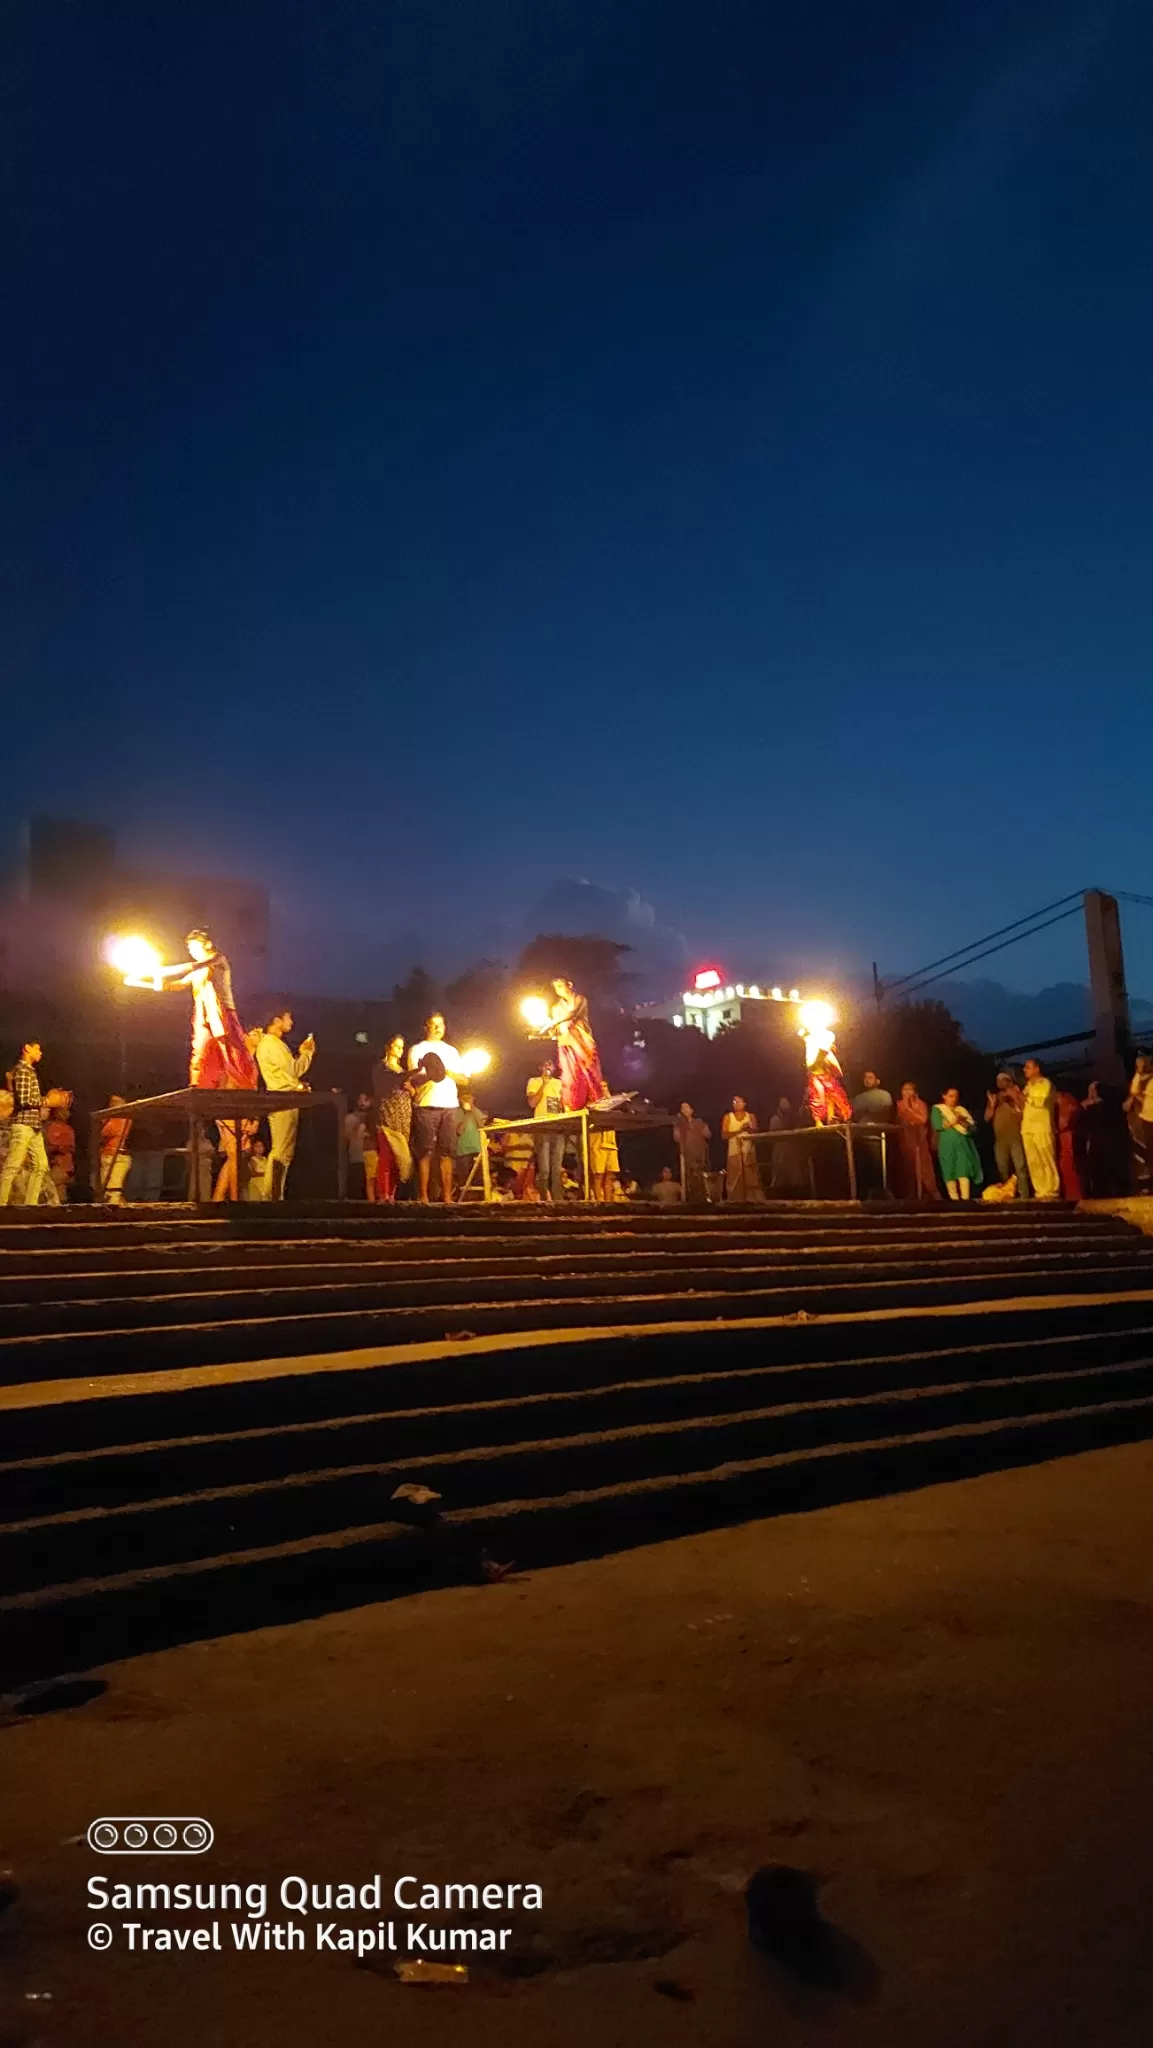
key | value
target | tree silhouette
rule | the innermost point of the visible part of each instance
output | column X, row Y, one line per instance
column 415, row 1001
column 921, row 1042
column 478, row 998
column 592, row 964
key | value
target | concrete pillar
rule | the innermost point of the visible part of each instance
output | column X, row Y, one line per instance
column 1111, row 1047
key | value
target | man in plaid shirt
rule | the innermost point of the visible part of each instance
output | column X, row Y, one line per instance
column 26, row 1137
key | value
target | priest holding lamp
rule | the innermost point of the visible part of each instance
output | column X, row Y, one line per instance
column 219, row 1057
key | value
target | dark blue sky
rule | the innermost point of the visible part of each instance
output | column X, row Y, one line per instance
column 704, row 447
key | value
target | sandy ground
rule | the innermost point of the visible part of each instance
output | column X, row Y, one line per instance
column 938, row 1703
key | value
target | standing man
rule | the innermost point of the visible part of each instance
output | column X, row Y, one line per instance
column 874, row 1104
column 25, row 1131
column 1039, row 1133
column 691, row 1134
column 438, row 1067
column 1139, row 1116
column 872, row 1107
column 787, row 1163
column 1003, row 1109
column 545, row 1099
column 282, row 1072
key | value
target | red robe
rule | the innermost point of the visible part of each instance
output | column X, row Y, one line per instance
column 219, row 1057
column 826, row 1095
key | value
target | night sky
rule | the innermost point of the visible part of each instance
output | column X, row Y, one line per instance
column 452, row 444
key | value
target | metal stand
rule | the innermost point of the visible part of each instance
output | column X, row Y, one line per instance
column 222, row 1105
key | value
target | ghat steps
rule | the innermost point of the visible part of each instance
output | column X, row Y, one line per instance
column 205, row 1417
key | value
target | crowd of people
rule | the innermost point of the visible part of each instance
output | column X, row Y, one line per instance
column 421, row 1112
column 1036, row 1139
column 417, row 1128
column 38, row 1141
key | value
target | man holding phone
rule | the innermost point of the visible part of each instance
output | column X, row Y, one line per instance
column 282, row 1072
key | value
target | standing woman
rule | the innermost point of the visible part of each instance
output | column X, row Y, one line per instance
column 582, row 1083
column 957, row 1152
column 1102, row 1144
column 219, row 1057
column 1068, row 1145
column 392, row 1116
column 915, row 1153
column 742, row 1174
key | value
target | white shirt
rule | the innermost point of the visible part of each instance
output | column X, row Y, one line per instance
column 437, row 1094
column 281, row 1070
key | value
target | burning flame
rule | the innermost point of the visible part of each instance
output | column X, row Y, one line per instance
column 136, row 960
column 816, row 1028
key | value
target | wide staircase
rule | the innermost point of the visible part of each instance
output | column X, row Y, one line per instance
column 205, row 1418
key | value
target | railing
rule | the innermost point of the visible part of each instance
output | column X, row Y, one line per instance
column 852, row 1136
column 578, row 1120
column 202, row 1106
column 875, row 1137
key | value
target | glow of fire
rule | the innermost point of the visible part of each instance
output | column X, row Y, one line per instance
column 535, row 1012
column 135, row 959
column 816, row 1017
column 476, row 1060
column 816, row 1028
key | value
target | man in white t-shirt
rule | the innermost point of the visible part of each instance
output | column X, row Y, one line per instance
column 437, row 1105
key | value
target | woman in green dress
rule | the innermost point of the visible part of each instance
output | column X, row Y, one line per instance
column 957, row 1153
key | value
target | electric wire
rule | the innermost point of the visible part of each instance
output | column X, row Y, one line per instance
column 1074, row 900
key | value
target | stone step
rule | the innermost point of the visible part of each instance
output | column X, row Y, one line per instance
column 74, row 1623
column 120, row 1471
column 45, row 1232
column 218, row 1406
column 150, row 1346
column 374, row 1265
column 195, row 1524
column 276, row 1293
column 81, row 1414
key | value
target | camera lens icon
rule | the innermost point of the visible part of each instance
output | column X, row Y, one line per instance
column 156, row 1834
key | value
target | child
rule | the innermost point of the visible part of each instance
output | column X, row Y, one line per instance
column 256, row 1184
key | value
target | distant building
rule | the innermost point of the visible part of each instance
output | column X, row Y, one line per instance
column 711, row 1003
column 65, row 894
